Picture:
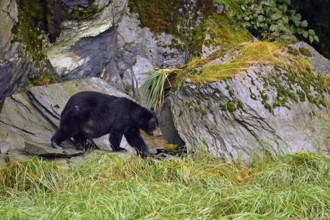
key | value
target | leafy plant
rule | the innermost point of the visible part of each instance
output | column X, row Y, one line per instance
column 274, row 20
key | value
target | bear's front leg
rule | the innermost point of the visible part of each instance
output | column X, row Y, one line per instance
column 115, row 139
column 134, row 139
column 80, row 140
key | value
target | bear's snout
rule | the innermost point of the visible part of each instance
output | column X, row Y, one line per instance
column 157, row 132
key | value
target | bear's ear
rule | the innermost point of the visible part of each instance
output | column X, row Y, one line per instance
column 152, row 109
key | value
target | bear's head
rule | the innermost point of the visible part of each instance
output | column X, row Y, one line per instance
column 150, row 124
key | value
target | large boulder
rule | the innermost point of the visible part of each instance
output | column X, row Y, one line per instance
column 259, row 109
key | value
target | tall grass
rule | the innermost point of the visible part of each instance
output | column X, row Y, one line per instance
column 115, row 187
column 155, row 86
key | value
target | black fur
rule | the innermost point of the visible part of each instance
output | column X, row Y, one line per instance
column 92, row 114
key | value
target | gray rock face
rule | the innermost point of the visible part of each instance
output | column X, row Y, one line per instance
column 236, row 118
column 138, row 51
column 84, row 47
column 28, row 120
column 13, row 68
column 320, row 63
column 113, row 46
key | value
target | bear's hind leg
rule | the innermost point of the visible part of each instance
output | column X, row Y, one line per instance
column 115, row 139
column 135, row 140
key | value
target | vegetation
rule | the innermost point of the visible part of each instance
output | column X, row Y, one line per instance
column 31, row 15
column 165, row 16
column 221, row 31
column 114, row 187
column 290, row 68
column 44, row 79
column 275, row 20
column 155, row 87
column 317, row 13
column 83, row 13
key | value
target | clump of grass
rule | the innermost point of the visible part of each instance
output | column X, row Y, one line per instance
column 114, row 187
column 32, row 175
column 155, row 86
column 248, row 54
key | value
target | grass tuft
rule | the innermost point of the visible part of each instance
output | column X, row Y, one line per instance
column 114, row 187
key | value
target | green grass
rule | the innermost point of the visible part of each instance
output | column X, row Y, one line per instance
column 115, row 187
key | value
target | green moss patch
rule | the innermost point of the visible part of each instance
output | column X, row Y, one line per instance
column 171, row 17
column 305, row 52
column 221, row 31
column 32, row 14
column 44, row 79
column 83, row 13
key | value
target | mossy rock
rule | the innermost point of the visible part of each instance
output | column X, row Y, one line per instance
column 305, row 52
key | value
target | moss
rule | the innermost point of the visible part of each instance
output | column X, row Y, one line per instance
column 165, row 16
column 223, row 107
column 44, row 79
column 221, row 31
column 32, row 14
column 200, row 110
column 264, row 96
column 171, row 147
column 268, row 107
column 209, row 106
column 305, row 52
column 231, row 93
column 301, row 95
column 180, row 113
column 83, row 13
column 231, row 107
column 293, row 51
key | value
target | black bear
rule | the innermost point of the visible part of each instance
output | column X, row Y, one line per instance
column 92, row 114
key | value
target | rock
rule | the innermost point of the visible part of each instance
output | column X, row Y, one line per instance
column 14, row 155
column 84, row 47
column 320, row 63
column 8, row 17
column 138, row 51
column 13, row 68
column 45, row 150
column 238, row 118
column 3, row 159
